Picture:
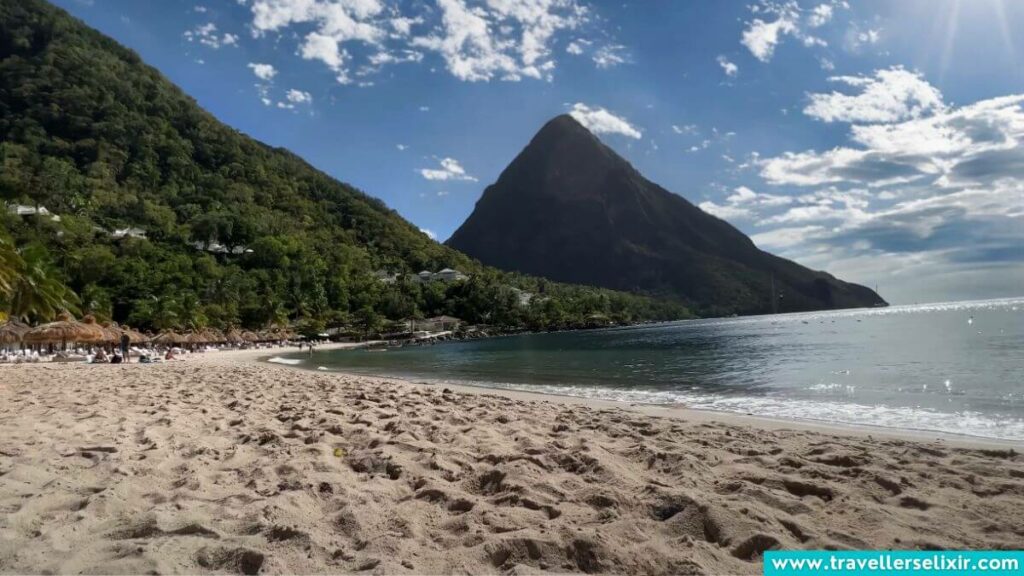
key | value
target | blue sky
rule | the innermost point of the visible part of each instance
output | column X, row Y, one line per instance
column 881, row 141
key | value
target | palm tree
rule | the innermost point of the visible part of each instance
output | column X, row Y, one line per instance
column 10, row 263
column 36, row 291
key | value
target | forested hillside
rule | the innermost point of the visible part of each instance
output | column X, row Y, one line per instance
column 107, row 144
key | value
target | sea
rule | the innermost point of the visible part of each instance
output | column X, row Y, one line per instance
column 955, row 368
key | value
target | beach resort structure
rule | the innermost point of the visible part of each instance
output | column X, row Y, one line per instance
column 435, row 324
column 26, row 210
column 445, row 275
column 218, row 248
column 424, row 277
column 129, row 233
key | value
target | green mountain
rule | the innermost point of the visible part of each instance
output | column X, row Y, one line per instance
column 235, row 232
column 569, row 208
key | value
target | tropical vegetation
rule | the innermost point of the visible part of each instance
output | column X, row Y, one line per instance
column 159, row 216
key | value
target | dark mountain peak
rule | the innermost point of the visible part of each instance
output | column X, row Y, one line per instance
column 560, row 127
column 563, row 159
column 564, row 135
column 569, row 208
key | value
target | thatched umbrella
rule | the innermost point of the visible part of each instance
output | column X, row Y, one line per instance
column 12, row 332
column 66, row 329
column 206, row 336
column 249, row 336
column 233, row 336
column 112, row 332
column 285, row 334
column 136, row 337
column 169, row 338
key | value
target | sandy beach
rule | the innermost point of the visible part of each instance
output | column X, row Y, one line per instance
column 221, row 464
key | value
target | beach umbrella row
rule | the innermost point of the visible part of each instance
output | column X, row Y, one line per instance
column 66, row 329
column 214, row 336
column 87, row 331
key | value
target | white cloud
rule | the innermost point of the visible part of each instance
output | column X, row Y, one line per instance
column 889, row 95
column 478, row 40
column 450, row 170
column 935, row 188
column 207, row 35
column 384, row 57
column 730, row 69
column 744, row 195
column 263, row 71
column 761, row 37
column 505, row 39
column 401, row 147
column 685, row 129
column 335, row 24
column 610, row 56
column 782, row 238
column 430, row 233
column 974, row 144
column 857, row 38
column 601, row 121
column 743, row 203
column 402, row 25
column 820, row 15
column 576, row 47
column 299, row 97
column 725, row 211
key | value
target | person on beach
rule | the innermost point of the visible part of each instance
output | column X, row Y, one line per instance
column 100, row 357
column 125, row 350
column 170, row 354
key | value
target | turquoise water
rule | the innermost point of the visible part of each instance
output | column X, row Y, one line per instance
column 955, row 368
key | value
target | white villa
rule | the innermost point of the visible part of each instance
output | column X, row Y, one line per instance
column 129, row 233
column 24, row 210
column 217, row 248
column 446, row 275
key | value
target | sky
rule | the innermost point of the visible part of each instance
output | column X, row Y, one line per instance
column 881, row 141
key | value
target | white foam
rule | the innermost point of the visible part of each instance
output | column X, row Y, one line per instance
column 288, row 361
column 1008, row 304
column 968, row 423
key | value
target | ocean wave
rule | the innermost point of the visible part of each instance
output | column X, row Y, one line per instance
column 963, row 423
column 286, row 361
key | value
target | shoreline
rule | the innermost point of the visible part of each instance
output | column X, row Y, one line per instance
column 665, row 411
